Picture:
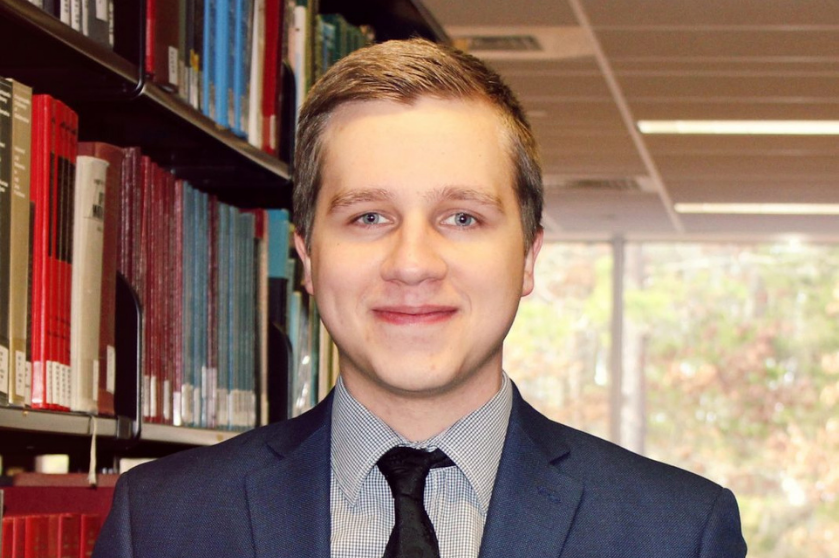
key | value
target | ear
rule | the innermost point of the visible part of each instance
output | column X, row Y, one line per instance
column 530, row 263
column 300, row 246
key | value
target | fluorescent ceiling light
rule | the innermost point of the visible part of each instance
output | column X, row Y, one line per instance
column 743, row 127
column 760, row 208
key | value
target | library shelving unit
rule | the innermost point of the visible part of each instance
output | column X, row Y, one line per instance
column 117, row 104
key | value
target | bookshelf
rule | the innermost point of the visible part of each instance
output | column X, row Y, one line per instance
column 117, row 104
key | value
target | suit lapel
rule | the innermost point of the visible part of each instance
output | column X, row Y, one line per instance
column 533, row 503
column 288, row 500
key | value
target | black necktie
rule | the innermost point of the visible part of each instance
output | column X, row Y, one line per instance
column 405, row 469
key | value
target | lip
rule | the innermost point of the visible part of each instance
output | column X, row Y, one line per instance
column 414, row 315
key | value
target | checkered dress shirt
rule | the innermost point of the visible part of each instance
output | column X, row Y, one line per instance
column 456, row 498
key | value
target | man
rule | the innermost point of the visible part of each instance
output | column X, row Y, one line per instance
column 417, row 206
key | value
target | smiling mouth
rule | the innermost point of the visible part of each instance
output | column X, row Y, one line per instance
column 414, row 315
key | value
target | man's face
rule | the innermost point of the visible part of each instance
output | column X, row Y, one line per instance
column 417, row 256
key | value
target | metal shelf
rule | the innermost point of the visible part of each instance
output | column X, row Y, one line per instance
column 55, row 422
column 76, row 424
column 184, row 435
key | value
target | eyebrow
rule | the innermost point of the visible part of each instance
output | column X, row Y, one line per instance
column 347, row 199
column 447, row 193
column 465, row 193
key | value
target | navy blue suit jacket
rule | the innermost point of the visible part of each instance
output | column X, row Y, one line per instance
column 558, row 493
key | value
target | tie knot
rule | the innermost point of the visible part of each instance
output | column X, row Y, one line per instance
column 405, row 469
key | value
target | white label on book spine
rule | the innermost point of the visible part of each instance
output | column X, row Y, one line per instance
column 85, row 18
column 64, row 7
column 65, row 371
column 48, row 389
column 173, row 66
column 167, row 400
column 102, row 10
column 186, row 403
column 4, row 369
column 76, row 14
column 110, row 371
column 146, row 395
column 111, row 22
column 177, row 415
column 20, row 373
column 94, row 389
column 28, row 380
column 153, row 397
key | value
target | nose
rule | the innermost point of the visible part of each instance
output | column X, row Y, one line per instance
column 414, row 255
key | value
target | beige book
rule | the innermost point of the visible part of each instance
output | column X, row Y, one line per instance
column 86, row 289
column 20, row 382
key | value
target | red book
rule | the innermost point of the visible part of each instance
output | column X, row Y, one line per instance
column 90, row 524
column 36, row 536
column 162, row 28
column 14, row 536
column 178, row 305
column 8, row 538
column 69, row 535
column 271, row 75
column 44, row 168
column 167, row 296
column 56, row 294
column 65, row 258
column 107, row 336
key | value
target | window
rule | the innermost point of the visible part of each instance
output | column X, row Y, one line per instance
column 729, row 367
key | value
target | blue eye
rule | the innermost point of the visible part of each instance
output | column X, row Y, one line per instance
column 462, row 220
column 370, row 219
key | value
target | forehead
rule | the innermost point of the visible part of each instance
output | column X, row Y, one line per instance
column 435, row 139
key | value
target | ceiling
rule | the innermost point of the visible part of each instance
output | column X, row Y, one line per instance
column 612, row 63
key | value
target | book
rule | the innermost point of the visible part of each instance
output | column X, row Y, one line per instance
column 208, row 60
column 68, row 142
column 89, row 526
column 241, row 65
column 162, row 43
column 44, row 170
column 299, row 53
column 115, row 157
column 5, row 231
column 86, row 295
column 19, row 270
column 95, row 20
column 271, row 74
column 195, row 39
column 256, row 74
column 223, row 60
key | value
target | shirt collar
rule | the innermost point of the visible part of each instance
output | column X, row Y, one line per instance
column 474, row 443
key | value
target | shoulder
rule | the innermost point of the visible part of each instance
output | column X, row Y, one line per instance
column 230, row 462
column 608, row 469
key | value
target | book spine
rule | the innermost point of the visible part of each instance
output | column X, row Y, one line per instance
column 208, row 60
column 41, row 109
column 196, row 53
column 255, row 79
column 221, row 45
column 223, row 281
column 19, row 272
column 270, row 74
column 178, row 305
column 151, row 33
column 5, row 232
column 86, row 295
column 187, row 262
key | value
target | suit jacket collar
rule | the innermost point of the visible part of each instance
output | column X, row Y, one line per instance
column 533, row 503
column 532, row 507
column 288, row 499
